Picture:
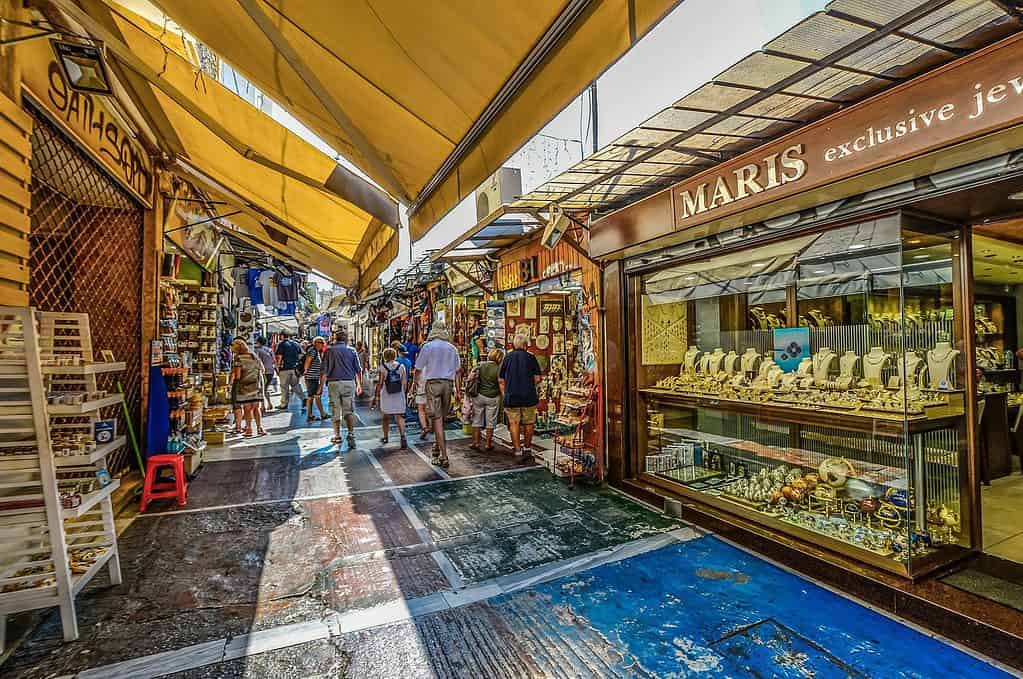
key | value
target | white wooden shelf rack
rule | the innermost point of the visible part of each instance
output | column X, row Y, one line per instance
column 49, row 553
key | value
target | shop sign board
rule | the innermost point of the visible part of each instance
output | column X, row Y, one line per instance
column 971, row 97
column 88, row 119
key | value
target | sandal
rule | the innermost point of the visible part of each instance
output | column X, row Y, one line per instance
column 474, row 446
column 260, row 432
column 445, row 463
column 383, row 440
column 336, row 439
column 489, row 449
column 435, row 461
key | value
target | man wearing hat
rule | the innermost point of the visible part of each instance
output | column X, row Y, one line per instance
column 439, row 367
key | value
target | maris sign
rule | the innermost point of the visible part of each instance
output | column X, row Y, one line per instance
column 748, row 180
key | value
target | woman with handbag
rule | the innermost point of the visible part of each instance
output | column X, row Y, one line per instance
column 486, row 400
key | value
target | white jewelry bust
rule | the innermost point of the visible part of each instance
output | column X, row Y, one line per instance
column 715, row 361
column 847, row 364
column 689, row 361
column 939, row 366
column 748, row 360
column 909, row 368
column 730, row 362
column 873, row 364
column 822, row 361
column 805, row 367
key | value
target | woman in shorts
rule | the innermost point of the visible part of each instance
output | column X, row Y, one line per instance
column 313, row 388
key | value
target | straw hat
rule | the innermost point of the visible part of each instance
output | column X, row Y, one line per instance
column 440, row 331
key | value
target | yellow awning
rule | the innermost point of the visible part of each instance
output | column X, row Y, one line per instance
column 250, row 159
column 427, row 98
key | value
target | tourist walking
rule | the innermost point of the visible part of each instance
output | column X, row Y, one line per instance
column 439, row 367
column 289, row 367
column 312, row 369
column 391, row 386
column 363, row 353
column 266, row 357
column 486, row 399
column 342, row 375
column 519, row 375
column 247, row 374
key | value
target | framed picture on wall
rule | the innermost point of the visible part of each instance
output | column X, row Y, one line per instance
column 559, row 344
column 514, row 308
column 530, row 308
column 545, row 325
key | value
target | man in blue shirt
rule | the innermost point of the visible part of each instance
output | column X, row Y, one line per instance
column 342, row 374
column 520, row 373
column 289, row 357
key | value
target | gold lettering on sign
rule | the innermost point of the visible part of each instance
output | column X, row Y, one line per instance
column 748, row 180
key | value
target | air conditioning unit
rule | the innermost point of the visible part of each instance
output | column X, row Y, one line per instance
column 500, row 188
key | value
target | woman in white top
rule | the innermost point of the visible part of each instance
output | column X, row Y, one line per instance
column 391, row 386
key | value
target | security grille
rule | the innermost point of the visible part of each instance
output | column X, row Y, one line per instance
column 86, row 254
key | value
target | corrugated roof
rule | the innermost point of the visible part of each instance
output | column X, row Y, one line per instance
column 851, row 50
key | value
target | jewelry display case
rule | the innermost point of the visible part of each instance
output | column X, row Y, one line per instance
column 847, row 428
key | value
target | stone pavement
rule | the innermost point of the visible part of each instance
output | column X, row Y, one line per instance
column 298, row 558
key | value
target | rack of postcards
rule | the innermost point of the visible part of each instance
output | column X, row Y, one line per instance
column 574, row 453
column 56, row 516
column 188, row 337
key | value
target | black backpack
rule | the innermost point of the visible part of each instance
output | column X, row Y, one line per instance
column 392, row 383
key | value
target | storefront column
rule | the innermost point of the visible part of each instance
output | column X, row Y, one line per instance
column 615, row 377
column 152, row 257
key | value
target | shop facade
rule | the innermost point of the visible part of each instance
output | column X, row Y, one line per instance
column 550, row 296
column 804, row 341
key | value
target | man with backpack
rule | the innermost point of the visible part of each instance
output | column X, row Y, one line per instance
column 391, row 385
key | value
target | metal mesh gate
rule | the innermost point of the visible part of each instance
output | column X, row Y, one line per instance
column 86, row 254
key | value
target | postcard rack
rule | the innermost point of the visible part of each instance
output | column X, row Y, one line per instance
column 52, row 546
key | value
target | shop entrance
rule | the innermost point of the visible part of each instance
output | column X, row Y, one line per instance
column 995, row 291
column 86, row 253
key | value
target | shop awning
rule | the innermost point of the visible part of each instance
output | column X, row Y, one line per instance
column 252, row 162
column 428, row 98
column 842, row 55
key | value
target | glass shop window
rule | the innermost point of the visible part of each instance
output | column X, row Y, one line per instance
column 814, row 383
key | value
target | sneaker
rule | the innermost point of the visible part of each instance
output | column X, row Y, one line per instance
column 351, row 443
column 404, row 443
column 383, row 440
column 423, row 435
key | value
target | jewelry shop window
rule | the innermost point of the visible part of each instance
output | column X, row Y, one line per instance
column 814, row 385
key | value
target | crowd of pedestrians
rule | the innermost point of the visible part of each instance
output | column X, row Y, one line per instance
column 427, row 378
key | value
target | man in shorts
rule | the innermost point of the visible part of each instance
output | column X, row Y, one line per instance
column 289, row 357
column 519, row 375
column 439, row 367
column 341, row 372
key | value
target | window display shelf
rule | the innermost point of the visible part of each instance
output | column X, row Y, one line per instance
column 881, row 424
column 87, row 407
column 90, row 458
column 91, row 500
column 84, row 369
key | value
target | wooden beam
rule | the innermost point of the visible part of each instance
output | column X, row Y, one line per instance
column 376, row 167
column 471, row 278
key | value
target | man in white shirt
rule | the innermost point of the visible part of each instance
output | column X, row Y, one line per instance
column 439, row 367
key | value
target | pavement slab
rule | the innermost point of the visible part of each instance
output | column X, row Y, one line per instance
column 404, row 466
column 193, row 577
column 464, row 461
column 317, row 472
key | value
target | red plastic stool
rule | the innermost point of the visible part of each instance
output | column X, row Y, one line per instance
column 152, row 490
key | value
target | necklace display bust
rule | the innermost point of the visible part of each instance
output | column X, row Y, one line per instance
column 730, row 363
column 939, row 366
column 847, row 364
column 689, row 361
column 822, row 365
column 748, row 360
column 873, row 364
column 715, row 361
column 909, row 368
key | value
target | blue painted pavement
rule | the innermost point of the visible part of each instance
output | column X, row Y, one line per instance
column 705, row 608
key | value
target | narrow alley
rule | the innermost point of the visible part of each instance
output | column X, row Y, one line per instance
column 295, row 558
